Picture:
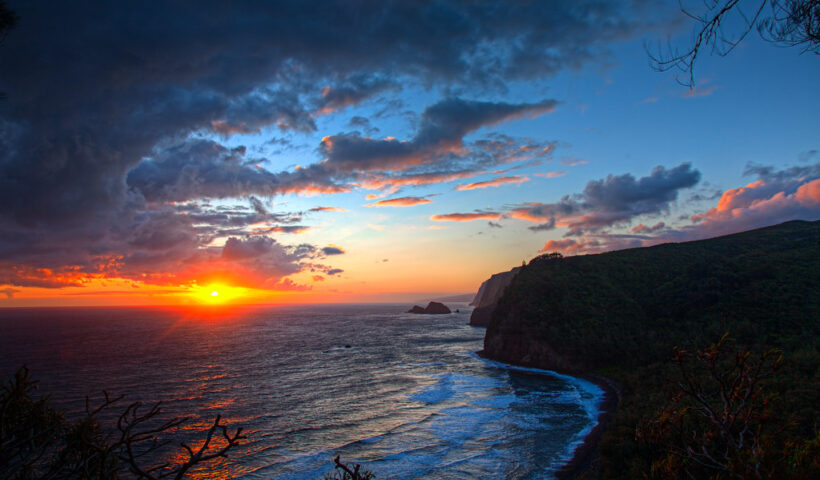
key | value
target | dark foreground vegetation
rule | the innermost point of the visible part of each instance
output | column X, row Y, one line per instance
column 38, row 441
column 696, row 402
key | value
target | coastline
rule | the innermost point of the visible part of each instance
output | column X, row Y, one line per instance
column 585, row 457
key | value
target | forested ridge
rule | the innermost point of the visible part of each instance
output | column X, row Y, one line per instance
column 652, row 319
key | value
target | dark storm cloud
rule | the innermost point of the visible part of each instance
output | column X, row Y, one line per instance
column 104, row 98
column 201, row 168
column 89, row 106
column 352, row 91
column 198, row 169
column 252, row 247
column 261, row 108
column 613, row 200
column 442, row 129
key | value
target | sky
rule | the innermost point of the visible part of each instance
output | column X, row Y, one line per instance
column 299, row 152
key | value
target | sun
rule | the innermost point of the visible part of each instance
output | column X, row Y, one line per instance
column 218, row 294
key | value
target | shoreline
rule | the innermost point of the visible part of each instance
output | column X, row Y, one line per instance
column 584, row 457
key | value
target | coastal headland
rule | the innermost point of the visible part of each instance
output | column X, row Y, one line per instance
column 616, row 319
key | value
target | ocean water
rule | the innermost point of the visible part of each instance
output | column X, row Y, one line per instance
column 404, row 395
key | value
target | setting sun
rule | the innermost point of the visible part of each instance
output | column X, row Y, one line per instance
column 219, row 294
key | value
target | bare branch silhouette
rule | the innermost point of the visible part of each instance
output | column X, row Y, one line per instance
column 725, row 24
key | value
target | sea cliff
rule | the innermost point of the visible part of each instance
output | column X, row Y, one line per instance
column 488, row 295
column 619, row 315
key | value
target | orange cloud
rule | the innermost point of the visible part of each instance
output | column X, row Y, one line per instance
column 760, row 203
column 26, row 276
column 526, row 213
column 566, row 246
column 493, row 183
column 400, row 202
column 466, row 217
column 809, row 193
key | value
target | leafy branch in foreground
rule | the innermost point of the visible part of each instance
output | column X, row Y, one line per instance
column 722, row 421
column 37, row 441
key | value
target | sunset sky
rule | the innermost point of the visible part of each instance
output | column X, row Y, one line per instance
column 321, row 152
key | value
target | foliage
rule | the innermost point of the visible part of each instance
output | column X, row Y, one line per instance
column 37, row 441
column 623, row 314
column 725, row 23
column 722, row 421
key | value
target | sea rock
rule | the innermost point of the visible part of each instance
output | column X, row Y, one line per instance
column 435, row 308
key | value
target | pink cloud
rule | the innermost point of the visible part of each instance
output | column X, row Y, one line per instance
column 809, row 193
column 554, row 174
column 493, row 183
column 760, row 203
column 400, row 202
column 328, row 209
column 641, row 228
column 466, row 217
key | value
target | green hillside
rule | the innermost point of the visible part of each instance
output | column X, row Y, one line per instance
column 621, row 314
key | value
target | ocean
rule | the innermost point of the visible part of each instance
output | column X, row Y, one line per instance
column 404, row 395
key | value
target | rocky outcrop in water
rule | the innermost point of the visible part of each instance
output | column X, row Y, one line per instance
column 434, row 308
column 488, row 295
